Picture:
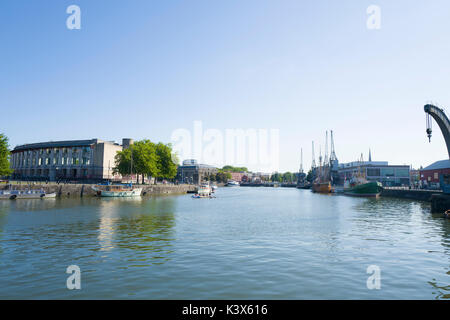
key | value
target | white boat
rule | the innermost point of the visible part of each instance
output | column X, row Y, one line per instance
column 117, row 191
column 204, row 191
column 232, row 183
column 25, row 194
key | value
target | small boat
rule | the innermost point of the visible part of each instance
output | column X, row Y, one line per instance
column 232, row 183
column 117, row 190
column 204, row 191
column 25, row 194
column 321, row 187
column 214, row 188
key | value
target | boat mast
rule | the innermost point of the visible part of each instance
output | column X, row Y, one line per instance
column 301, row 160
column 131, row 167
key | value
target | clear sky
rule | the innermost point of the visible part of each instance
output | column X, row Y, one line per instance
column 142, row 69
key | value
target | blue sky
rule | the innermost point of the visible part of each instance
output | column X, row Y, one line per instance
column 142, row 69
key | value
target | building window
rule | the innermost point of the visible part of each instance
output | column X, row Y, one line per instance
column 75, row 161
column 436, row 175
column 373, row 172
column 86, row 161
column 387, row 172
column 47, row 161
column 402, row 173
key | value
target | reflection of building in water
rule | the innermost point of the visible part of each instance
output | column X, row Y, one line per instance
column 30, row 204
column 108, row 223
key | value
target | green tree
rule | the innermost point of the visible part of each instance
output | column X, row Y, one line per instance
column 5, row 169
column 310, row 176
column 222, row 176
column 142, row 154
column 166, row 161
column 276, row 177
column 288, row 177
column 122, row 162
column 234, row 169
column 145, row 158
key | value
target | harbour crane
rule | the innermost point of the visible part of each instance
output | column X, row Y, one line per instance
column 439, row 116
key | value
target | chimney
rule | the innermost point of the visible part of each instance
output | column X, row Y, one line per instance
column 127, row 142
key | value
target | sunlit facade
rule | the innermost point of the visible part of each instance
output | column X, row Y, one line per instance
column 61, row 160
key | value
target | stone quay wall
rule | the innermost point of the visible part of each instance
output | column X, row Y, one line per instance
column 85, row 190
column 421, row 195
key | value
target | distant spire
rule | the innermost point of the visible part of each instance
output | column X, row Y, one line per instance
column 370, row 156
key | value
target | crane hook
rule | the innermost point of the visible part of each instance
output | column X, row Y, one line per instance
column 429, row 130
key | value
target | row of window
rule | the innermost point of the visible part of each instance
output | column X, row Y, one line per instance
column 54, row 161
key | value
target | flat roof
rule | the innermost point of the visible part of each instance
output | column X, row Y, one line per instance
column 56, row 144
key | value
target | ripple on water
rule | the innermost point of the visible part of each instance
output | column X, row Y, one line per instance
column 249, row 243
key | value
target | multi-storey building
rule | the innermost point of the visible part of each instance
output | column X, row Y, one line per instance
column 61, row 160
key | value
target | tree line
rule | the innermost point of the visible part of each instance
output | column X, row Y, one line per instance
column 287, row 177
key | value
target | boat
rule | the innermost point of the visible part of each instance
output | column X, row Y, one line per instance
column 204, row 191
column 214, row 188
column 117, row 190
column 323, row 180
column 321, row 187
column 367, row 189
column 26, row 194
column 359, row 186
column 232, row 183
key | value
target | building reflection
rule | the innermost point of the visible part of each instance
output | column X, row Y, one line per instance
column 140, row 229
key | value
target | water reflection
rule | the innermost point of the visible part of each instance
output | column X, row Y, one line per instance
column 442, row 292
column 143, row 226
column 3, row 219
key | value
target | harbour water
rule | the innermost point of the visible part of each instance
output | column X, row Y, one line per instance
column 248, row 243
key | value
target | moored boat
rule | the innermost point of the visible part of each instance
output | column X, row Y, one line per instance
column 365, row 189
column 232, row 183
column 321, row 187
column 26, row 194
column 119, row 190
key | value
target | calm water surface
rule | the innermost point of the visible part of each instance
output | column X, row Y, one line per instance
column 248, row 243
